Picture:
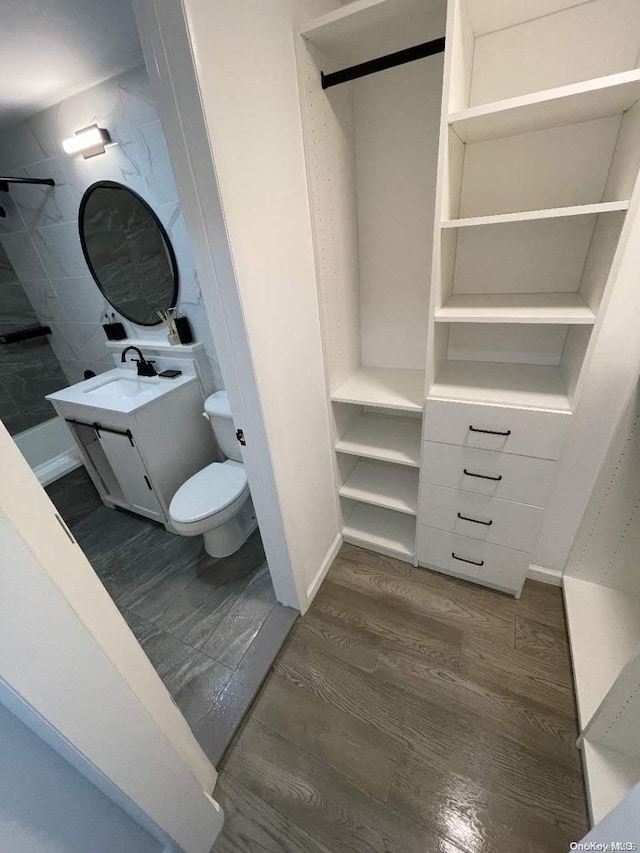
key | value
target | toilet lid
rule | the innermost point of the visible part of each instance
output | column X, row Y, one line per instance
column 208, row 492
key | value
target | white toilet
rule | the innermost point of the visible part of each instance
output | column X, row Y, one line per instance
column 216, row 502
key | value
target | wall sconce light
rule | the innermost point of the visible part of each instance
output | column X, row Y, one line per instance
column 89, row 141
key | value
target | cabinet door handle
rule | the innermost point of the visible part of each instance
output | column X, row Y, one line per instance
column 475, row 520
column 148, row 482
column 482, row 476
column 464, row 560
column 489, row 431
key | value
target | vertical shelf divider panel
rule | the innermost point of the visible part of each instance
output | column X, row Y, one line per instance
column 602, row 599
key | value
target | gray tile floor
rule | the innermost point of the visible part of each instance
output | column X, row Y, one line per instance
column 211, row 628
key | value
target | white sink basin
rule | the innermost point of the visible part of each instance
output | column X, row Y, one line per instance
column 119, row 390
column 124, row 389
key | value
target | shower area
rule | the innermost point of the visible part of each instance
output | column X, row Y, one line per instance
column 29, row 370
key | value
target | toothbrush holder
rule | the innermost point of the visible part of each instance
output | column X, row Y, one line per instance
column 114, row 331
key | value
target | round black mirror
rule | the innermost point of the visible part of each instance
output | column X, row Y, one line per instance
column 128, row 252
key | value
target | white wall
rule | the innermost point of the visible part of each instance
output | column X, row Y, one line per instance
column 47, row 806
column 245, row 62
column 607, row 544
column 396, row 117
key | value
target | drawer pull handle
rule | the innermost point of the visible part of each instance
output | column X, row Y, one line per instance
column 475, row 520
column 490, row 431
column 464, row 560
column 482, row 476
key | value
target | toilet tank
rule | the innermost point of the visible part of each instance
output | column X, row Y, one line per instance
column 217, row 408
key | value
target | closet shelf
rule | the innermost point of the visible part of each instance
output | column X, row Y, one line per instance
column 565, row 308
column 386, row 437
column 381, row 530
column 367, row 29
column 609, row 775
column 604, row 629
column 384, row 387
column 531, row 215
column 527, row 385
column 383, row 484
column 591, row 99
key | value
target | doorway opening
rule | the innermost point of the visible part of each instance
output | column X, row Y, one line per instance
column 209, row 623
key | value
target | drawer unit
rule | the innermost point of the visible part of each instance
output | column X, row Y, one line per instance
column 488, row 472
column 481, row 562
column 526, row 432
column 514, row 525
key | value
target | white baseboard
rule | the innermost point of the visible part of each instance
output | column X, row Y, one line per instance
column 330, row 556
column 544, row 575
column 57, row 467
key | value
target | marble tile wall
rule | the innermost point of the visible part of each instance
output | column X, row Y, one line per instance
column 40, row 231
column 28, row 370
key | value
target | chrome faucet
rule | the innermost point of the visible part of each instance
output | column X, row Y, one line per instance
column 145, row 368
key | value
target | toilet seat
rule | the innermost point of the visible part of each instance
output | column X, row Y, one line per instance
column 209, row 492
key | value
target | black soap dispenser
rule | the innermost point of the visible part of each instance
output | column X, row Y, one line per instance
column 113, row 330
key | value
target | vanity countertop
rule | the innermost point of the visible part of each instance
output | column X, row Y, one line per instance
column 120, row 390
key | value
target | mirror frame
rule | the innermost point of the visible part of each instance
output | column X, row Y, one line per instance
column 172, row 257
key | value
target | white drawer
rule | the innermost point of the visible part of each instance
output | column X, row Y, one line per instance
column 488, row 472
column 481, row 562
column 528, row 432
column 507, row 523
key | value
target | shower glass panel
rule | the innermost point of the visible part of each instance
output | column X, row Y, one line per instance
column 29, row 369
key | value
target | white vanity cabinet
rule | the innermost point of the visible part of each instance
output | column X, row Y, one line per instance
column 455, row 365
column 138, row 459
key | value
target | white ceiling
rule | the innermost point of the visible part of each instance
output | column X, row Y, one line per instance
column 52, row 49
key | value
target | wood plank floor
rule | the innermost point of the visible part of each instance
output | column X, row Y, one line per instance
column 409, row 711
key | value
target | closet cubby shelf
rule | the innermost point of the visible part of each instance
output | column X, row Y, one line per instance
column 564, row 308
column 604, row 628
column 525, row 385
column 366, row 29
column 388, row 438
column 383, row 484
column 532, row 215
column 610, row 776
column 381, row 530
column 383, row 387
column 578, row 102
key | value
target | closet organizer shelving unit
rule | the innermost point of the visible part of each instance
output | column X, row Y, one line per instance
column 467, row 210
column 371, row 147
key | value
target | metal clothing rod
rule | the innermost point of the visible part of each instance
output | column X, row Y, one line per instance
column 47, row 182
column 409, row 54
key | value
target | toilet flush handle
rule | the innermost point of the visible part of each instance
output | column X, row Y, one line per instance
column 205, row 415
